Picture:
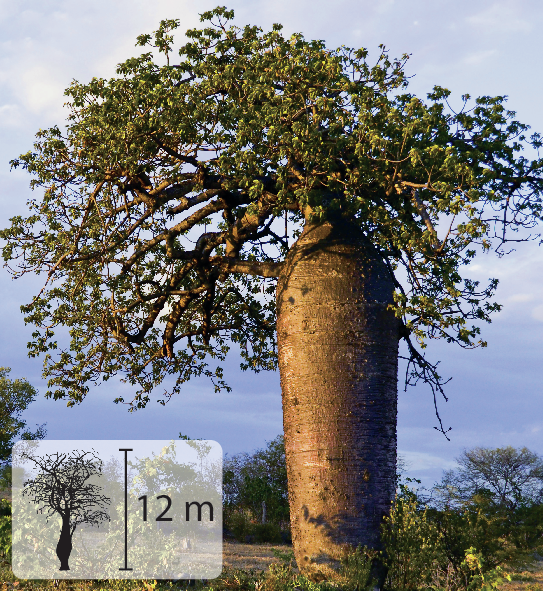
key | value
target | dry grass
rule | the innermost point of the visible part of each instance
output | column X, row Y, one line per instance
column 529, row 580
column 257, row 557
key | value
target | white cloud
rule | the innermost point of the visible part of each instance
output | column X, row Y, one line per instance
column 537, row 313
column 502, row 17
column 520, row 298
column 418, row 460
column 10, row 116
column 473, row 268
column 477, row 58
column 40, row 89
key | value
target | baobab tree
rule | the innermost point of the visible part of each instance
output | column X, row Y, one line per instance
column 294, row 200
column 62, row 488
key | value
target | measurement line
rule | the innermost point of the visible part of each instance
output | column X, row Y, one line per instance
column 126, row 508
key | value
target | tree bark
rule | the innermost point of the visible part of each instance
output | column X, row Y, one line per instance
column 338, row 361
column 64, row 546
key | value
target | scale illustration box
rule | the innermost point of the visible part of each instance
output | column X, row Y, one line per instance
column 117, row 509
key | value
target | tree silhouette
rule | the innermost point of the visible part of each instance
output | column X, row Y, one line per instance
column 62, row 488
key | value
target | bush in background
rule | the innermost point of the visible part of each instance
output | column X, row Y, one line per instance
column 450, row 550
column 15, row 397
column 5, row 531
column 255, row 495
column 507, row 477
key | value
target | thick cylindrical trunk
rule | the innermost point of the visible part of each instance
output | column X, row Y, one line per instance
column 338, row 361
column 64, row 546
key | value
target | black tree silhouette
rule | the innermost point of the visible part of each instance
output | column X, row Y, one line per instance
column 62, row 488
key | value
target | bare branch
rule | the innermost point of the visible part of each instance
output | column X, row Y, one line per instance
column 258, row 268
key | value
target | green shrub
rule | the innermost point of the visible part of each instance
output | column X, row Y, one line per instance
column 461, row 549
column 238, row 523
column 5, row 508
column 267, row 532
column 357, row 569
column 5, row 530
column 413, row 546
column 249, row 480
column 244, row 529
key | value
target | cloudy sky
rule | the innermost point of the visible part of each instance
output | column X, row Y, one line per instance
column 479, row 47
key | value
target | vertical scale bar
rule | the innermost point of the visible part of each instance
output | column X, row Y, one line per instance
column 125, row 508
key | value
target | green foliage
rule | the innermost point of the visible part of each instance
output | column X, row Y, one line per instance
column 455, row 548
column 480, row 576
column 244, row 130
column 248, row 482
column 5, row 531
column 525, row 528
column 268, row 532
column 509, row 478
column 239, row 524
column 500, row 492
column 244, row 528
column 426, row 549
column 162, row 472
column 15, row 397
column 412, row 544
column 357, row 569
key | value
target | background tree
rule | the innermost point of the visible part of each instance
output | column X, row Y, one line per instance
column 508, row 477
column 261, row 477
column 15, row 397
column 62, row 488
column 251, row 479
column 162, row 474
column 184, row 195
column 113, row 487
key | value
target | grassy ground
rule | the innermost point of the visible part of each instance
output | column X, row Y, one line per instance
column 243, row 569
column 238, row 560
column 530, row 580
column 257, row 557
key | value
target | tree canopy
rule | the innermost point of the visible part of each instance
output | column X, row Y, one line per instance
column 169, row 201
column 15, row 396
column 508, row 477
column 251, row 479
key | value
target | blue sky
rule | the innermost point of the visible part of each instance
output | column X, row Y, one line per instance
column 479, row 47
